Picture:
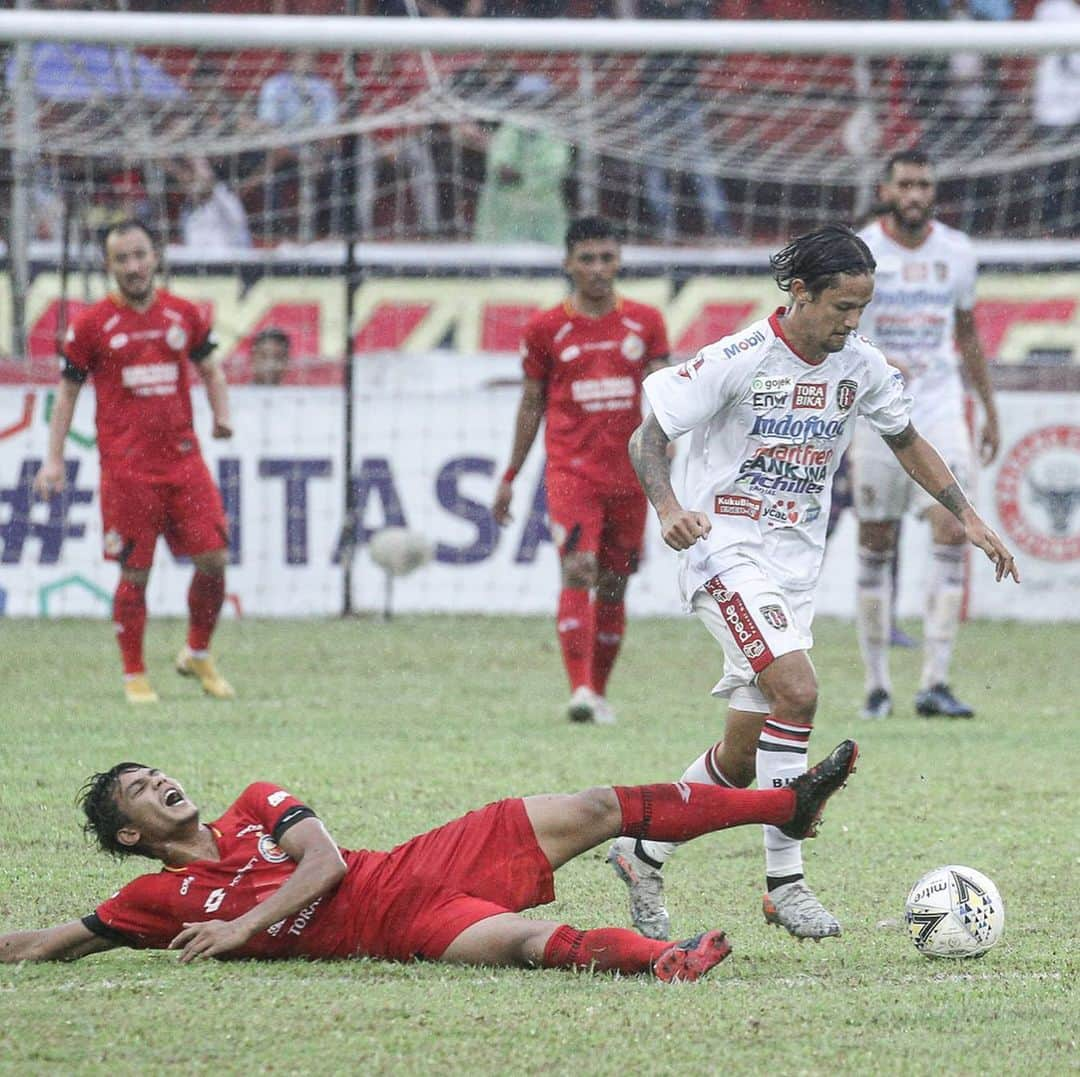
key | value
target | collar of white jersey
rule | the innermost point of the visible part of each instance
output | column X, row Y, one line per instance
column 774, row 325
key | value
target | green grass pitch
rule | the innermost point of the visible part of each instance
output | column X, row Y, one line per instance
column 389, row 729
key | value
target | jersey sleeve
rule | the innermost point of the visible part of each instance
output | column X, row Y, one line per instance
column 535, row 352
column 690, row 394
column 275, row 808
column 79, row 353
column 657, row 346
column 967, row 271
column 141, row 914
column 203, row 340
column 886, row 403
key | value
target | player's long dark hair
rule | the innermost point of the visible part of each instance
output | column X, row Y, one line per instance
column 97, row 798
column 819, row 258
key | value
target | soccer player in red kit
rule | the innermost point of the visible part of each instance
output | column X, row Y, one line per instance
column 267, row 881
column 584, row 362
column 136, row 344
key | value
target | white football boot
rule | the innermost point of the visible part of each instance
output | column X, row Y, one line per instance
column 646, row 886
column 795, row 907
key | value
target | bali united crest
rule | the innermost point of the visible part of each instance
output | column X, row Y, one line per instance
column 845, row 394
column 1038, row 493
column 775, row 617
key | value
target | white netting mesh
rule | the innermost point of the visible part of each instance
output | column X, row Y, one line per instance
column 750, row 146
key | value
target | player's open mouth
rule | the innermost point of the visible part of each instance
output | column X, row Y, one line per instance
column 172, row 798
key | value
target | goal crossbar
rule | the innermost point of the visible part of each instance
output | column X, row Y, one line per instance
column 297, row 32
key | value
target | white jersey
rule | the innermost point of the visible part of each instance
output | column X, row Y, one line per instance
column 912, row 317
column 769, row 428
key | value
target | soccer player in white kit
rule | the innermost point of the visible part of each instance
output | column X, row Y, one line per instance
column 920, row 317
column 769, row 411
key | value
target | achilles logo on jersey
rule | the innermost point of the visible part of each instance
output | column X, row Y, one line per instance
column 846, row 390
column 737, row 505
column 810, row 395
column 791, row 429
column 745, row 344
column 175, row 337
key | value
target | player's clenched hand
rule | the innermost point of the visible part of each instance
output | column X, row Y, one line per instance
column 222, row 430
column 979, row 534
column 50, row 479
column 989, row 440
column 208, row 939
column 681, row 529
column 500, row 508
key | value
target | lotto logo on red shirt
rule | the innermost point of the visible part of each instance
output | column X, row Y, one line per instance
column 810, row 395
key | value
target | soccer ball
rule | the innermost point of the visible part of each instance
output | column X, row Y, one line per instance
column 399, row 551
column 954, row 912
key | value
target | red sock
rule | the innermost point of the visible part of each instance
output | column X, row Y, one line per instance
column 607, row 949
column 678, row 811
column 610, row 625
column 129, row 616
column 205, row 597
column 576, row 632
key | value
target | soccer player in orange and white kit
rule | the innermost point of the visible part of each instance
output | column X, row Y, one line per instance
column 136, row 344
column 584, row 362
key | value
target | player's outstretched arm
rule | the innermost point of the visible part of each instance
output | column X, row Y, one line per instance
column 924, row 464
column 319, row 868
column 65, row 942
column 50, row 477
column 649, row 455
column 217, row 392
column 530, row 414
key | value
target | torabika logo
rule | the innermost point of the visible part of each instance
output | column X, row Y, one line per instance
column 1038, row 493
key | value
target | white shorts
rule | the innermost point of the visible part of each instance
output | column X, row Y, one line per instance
column 755, row 621
column 883, row 490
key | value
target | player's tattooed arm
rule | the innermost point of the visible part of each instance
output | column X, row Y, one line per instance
column 649, row 455
column 952, row 497
column 902, row 440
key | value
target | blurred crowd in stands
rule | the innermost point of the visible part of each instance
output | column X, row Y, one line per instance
column 501, row 182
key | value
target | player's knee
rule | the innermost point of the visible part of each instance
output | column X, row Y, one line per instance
column 597, row 809
column 137, row 576
column 796, row 700
column 213, row 563
column 877, row 536
column 579, row 571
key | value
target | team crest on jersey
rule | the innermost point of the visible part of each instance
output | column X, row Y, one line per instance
column 117, row 341
column 175, row 337
column 941, row 271
column 270, row 851
column 775, row 616
column 845, row 394
column 568, row 355
column 633, row 347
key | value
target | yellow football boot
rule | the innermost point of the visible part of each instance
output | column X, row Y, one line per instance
column 137, row 689
column 213, row 683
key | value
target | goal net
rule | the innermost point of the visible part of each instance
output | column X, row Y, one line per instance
column 716, row 139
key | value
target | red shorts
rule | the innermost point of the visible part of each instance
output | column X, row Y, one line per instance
column 415, row 900
column 585, row 518
column 184, row 506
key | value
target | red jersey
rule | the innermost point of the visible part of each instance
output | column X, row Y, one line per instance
column 151, row 910
column 592, row 369
column 139, row 363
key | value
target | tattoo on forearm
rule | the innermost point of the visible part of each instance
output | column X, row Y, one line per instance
column 648, row 454
column 952, row 497
column 901, row 440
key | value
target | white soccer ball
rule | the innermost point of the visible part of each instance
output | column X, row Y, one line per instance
column 399, row 551
column 954, row 911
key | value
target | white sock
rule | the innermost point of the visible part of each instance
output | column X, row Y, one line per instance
column 705, row 770
column 944, row 597
column 873, row 615
column 781, row 758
